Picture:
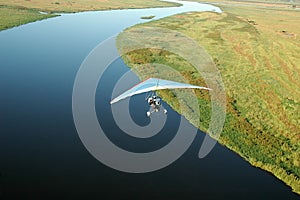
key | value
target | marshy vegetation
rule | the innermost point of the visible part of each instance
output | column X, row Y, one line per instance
column 148, row 17
column 12, row 16
column 257, row 53
column 18, row 12
column 260, row 69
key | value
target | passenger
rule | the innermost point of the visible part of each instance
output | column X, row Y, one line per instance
column 150, row 101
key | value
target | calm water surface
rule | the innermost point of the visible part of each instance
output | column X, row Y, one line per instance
column 41, row 155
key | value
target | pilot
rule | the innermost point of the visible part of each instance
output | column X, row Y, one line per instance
column 150, row 101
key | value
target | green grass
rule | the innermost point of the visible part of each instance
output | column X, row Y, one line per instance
column 257, row 52
column 148, row 17
column 17, row 12
column 11, row 17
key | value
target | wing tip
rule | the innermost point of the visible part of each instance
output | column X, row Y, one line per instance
column 205, row 88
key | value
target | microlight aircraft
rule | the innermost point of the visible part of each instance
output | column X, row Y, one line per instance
column 152, row 85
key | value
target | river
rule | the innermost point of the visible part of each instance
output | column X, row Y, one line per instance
column 41, row 153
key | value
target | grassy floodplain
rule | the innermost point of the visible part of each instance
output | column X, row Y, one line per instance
column 11, row 16
column 17, row 12
column 83, row 5
column 256, row 50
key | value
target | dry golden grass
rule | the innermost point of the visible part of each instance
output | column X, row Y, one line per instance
column 257, row 52
column 82, row 5
column 17, row 12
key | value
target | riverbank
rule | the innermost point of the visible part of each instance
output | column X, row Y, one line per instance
column 13, row 16
column 256, row 50
column 16, row 13
column 263, row 102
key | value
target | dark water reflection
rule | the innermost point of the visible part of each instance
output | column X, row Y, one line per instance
column 41, row 155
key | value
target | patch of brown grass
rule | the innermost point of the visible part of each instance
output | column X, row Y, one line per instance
column 82, row 5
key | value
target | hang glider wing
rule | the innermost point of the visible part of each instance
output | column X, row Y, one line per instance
column 153, row 84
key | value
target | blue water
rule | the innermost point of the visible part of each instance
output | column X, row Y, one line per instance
column 41, row 155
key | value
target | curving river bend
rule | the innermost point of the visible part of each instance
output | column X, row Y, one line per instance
column 40, row 151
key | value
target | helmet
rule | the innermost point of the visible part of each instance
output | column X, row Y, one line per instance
column 157, row 102
column 150, row 99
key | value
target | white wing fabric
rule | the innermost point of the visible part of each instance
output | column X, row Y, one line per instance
column 153, row 84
